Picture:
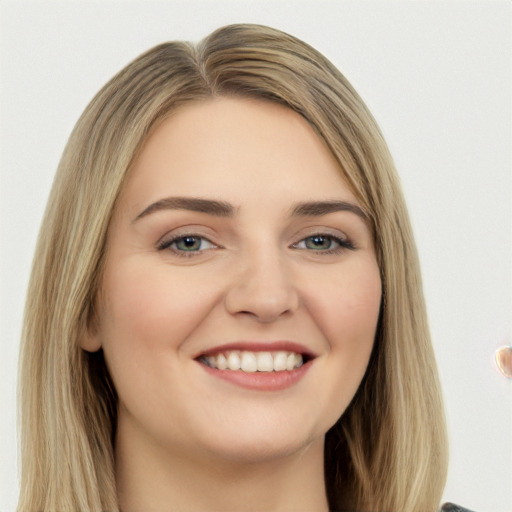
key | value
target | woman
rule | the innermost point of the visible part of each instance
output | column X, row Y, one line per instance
column 225, row 311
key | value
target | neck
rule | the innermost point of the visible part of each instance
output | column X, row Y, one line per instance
column 150, row 479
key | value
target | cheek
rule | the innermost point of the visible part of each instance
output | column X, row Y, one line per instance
column 348, row 317
column 147, row 312
column 347, row 308
column 347, row 313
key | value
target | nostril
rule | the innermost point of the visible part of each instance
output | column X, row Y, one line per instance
column 264, row 296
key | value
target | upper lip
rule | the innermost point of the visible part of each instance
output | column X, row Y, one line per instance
column 260, row 346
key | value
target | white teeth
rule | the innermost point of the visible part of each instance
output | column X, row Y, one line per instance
column 222, row 362
column 265, row 362
column 233, row 361
column 292, row 361
column 280, row 360
column 255, row 361
column 248, row 363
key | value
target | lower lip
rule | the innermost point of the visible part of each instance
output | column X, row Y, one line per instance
column 261, row 381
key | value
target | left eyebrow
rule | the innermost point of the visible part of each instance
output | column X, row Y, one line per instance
column 318, row 208
column 195, row 204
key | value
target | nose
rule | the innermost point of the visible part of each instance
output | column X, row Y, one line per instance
column 262, row 288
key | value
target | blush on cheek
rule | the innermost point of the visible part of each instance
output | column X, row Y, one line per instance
column 157, row 308
column 350, row 310
column 360, row 299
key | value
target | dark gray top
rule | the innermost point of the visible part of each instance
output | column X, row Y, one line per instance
column 447, row 507
column 451, row 507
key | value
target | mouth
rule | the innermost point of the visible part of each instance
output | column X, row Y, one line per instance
column 250, row 362
column 261, row 366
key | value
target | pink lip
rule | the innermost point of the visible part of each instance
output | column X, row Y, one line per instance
column 260, row 346
column 260, row 381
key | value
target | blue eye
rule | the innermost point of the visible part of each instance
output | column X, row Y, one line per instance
column 187, row 244
column 319, row 242
column 324, row 243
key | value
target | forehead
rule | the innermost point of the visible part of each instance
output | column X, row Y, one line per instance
column 235, row 147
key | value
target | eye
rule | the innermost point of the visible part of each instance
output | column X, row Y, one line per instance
column 187, row 244
column 324, row 243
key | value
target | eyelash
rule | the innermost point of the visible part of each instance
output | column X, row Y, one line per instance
column 166, row 244
column 342, row 244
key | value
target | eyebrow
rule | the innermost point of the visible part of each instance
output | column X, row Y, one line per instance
column 318, row 208
column 195, row 204
column 225, row 209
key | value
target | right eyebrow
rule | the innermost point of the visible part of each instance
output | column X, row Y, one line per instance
column 195, row 204
column 319, row 208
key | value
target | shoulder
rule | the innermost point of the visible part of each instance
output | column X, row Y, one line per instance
column 451, row 507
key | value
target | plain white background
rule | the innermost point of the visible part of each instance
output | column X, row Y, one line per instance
column 436, row 75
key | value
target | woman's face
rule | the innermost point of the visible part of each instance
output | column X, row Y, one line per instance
column 236, row 242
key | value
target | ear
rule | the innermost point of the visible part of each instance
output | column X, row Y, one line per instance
column 90, row 339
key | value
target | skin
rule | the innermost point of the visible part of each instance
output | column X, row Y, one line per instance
column 187, row 440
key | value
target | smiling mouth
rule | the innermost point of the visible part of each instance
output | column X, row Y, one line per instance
column 255, row 362
column 258, row 365
column 268, row 366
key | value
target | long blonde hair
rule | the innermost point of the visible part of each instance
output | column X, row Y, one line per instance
column 387, row 452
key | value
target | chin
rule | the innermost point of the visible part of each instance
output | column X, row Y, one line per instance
column 262, row 442
column 263, row 450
